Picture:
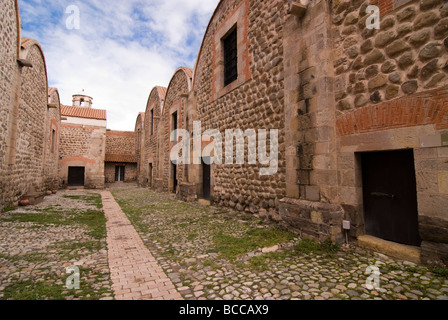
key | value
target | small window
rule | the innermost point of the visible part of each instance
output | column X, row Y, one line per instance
column 152, row 122
column 53, row 140
column 174, row 120
column 230, row 44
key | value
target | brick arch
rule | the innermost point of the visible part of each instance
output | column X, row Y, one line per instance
column 426, row 108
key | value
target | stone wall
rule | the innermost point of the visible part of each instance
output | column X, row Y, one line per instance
column 83, row 146
column 175, row 101
column 139, row 134
column 311, row 166
column 53, row 124
column 130, row 171
column 27, row 132
column 254, row 101
column 120, row 143
column 152, row 137
column 407, row 55
column 9, row 90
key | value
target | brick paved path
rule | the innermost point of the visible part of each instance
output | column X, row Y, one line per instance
column 135, row 273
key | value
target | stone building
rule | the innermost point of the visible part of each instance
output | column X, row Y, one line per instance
column 27, row 117
column 361, row 115
column 82, row 144
column 150, row 173
column 53, row 125
column 121, row 160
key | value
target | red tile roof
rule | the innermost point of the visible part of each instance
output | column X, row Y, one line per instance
column 86, row 113
column 125, row 158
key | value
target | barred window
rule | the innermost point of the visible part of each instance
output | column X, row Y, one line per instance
column 230, row 43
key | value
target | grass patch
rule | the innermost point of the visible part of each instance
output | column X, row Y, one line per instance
column 31, row 257
column 93, row 199
column 307, row 246
column 33, row 290
column 413, row 270
column 262, row 262
column 38, row 218
column 231, row 247
column 8, row 208
column 95, row 221
column 440, row 272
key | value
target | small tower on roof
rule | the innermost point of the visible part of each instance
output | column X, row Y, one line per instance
column 82, row 100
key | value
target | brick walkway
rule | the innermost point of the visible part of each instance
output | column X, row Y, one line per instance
column 135, row 273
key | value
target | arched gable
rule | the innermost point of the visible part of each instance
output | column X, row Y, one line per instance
column 28, row 45
column 139, row 123
column 209, row 65
column 180, row 84
column 155, row 100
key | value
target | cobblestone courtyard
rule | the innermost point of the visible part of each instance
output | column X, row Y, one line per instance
column 208, row 254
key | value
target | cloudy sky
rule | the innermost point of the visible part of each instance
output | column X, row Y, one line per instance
column 121, row 50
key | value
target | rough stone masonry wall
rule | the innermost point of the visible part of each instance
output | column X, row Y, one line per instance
column 26, row 174
column 130, row 171
column 179, row 85
column 151, row 144
column 139, row 141
column 255, row 104
column 9, row 73
column 407, row 55
column 83, row 146
column 120, row 143
column 53, row 122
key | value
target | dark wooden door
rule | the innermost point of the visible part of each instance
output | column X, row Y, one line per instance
column 206, row 180
column 120, row 173
column 76, row 176
column 175, row 181
column 150, row 175
column 390, row 196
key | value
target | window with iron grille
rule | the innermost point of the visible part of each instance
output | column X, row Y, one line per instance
column 230, row 44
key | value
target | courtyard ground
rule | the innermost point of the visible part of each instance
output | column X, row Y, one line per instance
column 208, row 253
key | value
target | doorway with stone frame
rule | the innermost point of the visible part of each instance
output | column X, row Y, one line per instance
column 390, row 196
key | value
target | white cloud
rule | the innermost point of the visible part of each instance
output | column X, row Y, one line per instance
column 122, row 50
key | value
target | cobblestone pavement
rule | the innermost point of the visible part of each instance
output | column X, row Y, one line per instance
column 207, row 253
column 38, row 243
column 135, row 273
column 211, row 253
